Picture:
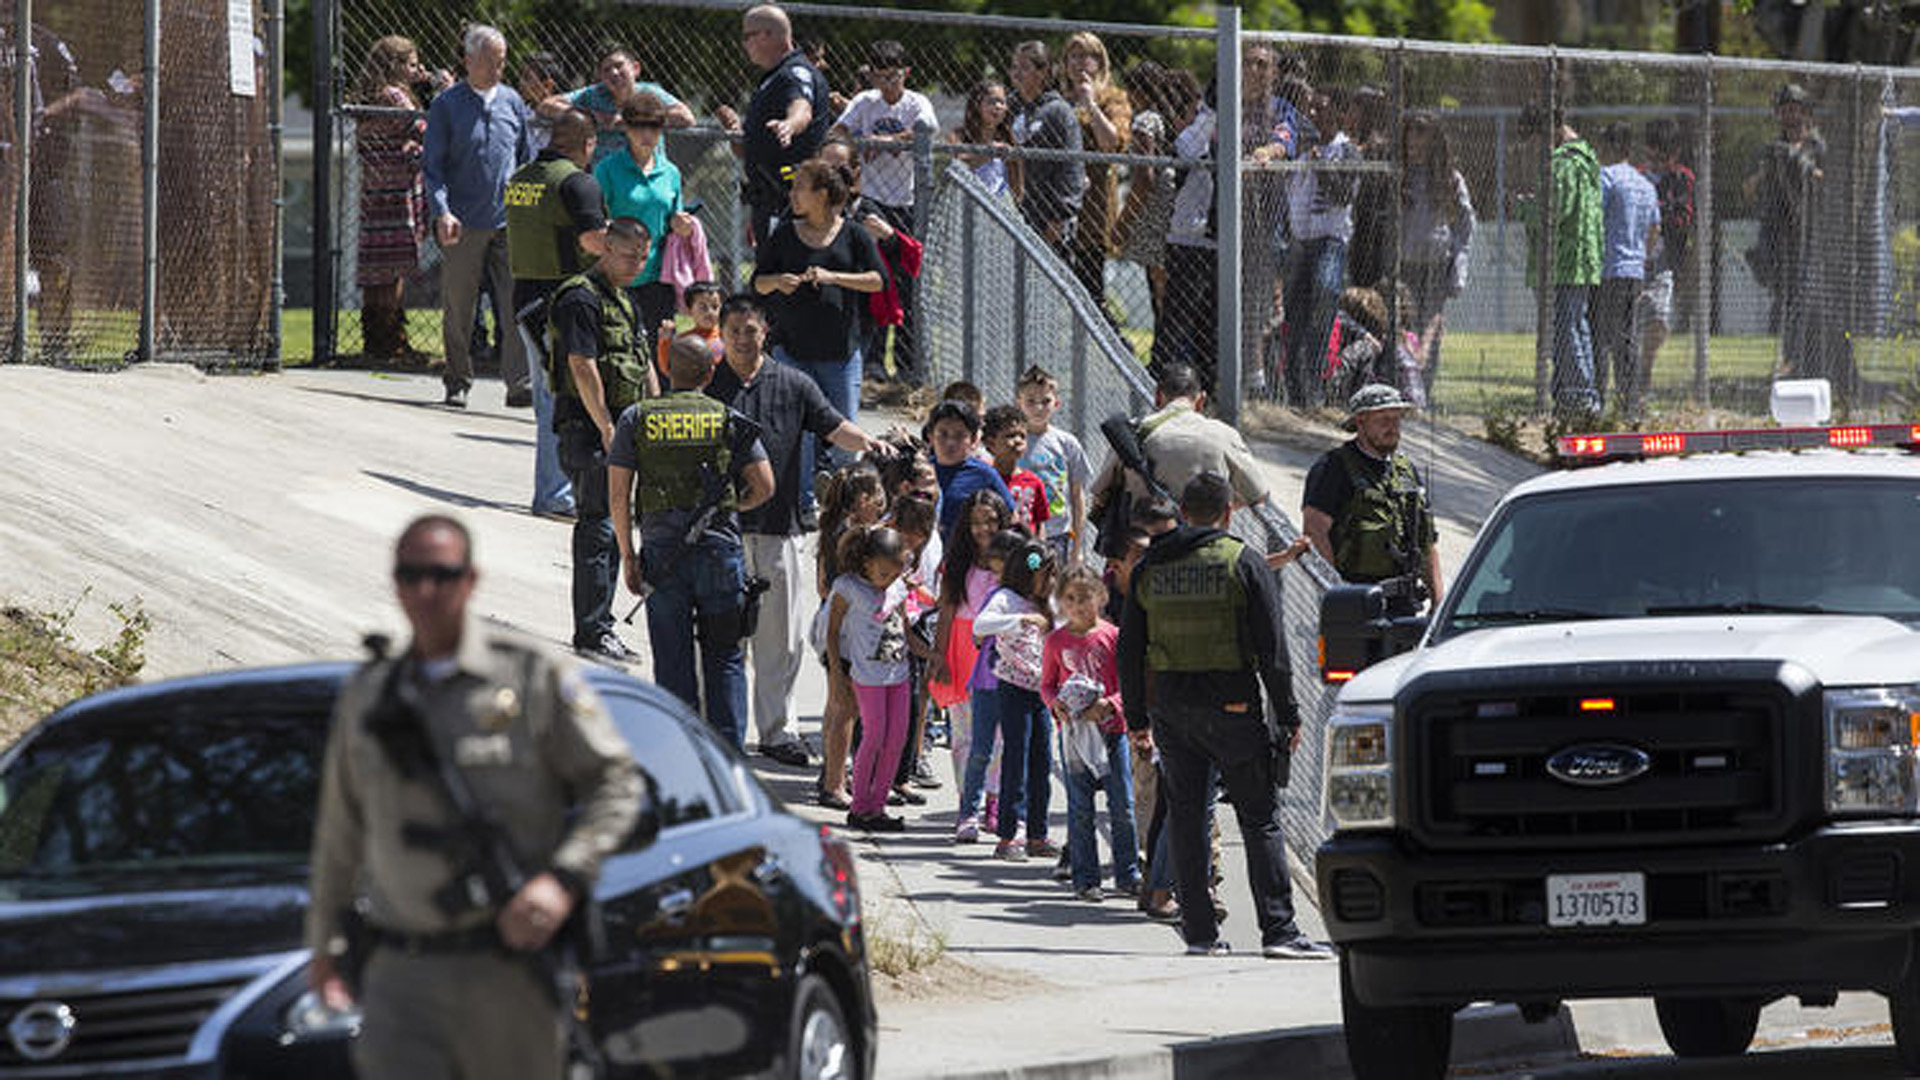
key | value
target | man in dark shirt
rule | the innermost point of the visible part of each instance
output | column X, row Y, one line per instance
column 786, row 405
column 1366, row 506
column 787, row 118
column 598, row 372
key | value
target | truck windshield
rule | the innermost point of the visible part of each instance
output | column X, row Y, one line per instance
column 1813, row 545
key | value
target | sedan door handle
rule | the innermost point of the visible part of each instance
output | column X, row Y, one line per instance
column 676, row 905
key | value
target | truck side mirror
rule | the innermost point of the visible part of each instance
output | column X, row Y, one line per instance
column 1356, row 632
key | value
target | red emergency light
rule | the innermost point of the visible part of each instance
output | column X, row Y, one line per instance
column 1630, row 445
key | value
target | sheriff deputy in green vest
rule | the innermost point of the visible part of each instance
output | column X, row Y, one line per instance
column 1200, row 638
column 689, row 464
column 1366, row 507
column 555, row 229
column 595, row 328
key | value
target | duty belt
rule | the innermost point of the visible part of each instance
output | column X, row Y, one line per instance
column 482, row 938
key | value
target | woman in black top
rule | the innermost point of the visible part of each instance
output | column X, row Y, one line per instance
column 816, row 270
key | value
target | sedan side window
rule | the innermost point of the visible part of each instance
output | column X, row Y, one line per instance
column 683, row 789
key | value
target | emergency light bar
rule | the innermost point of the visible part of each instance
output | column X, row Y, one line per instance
column 1633, row 445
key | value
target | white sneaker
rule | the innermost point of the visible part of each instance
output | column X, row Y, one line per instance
column 1210, row 948
column 1091, row 894
column 967, row 830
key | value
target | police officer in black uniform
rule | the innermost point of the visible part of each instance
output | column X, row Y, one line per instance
column 598, row 333
column 1366, row 507
column 787, row 118
column 689, row 464
column 1200, row 636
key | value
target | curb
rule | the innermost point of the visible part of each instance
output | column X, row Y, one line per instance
column 1483, row 1037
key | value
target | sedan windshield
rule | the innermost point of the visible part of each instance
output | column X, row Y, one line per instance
column 161, row 800
column 1749, row 547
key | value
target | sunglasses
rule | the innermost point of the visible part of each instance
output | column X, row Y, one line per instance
column 438, row 573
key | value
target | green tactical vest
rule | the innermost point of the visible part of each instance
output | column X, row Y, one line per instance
column 679, row 440
column 623, row 375
column 1195, row 607
column 1380, row 534
column 541, row 243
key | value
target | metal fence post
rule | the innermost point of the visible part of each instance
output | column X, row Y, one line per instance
column 1846, row 379
column 1226, row 193
column 276, row 14
column 149, row 179
column 1703, row 241
column 1397, row 76
column 922, row 180
column 1544, row 306
column 23, row 148
column 322, row 98
column 969, row 292
column 1500, row 221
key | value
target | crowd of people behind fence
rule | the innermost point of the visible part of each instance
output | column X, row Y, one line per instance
column 1329, row 302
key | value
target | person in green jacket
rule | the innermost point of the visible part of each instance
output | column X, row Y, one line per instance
column 1577, row 252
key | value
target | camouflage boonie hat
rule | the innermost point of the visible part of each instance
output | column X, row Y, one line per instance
column 1373, row 397
column 1376, row 396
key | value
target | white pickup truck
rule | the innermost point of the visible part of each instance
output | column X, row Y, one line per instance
column 1662, row 739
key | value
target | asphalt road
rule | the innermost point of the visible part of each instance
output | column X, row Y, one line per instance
column 1865, row 1059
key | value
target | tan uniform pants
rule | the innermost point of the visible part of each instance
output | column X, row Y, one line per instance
column 457, row 1016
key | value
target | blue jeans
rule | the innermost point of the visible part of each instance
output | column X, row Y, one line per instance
column 552, row 491
column 986, row 722
column 1026, row 761
column 1573, row 386
column 840, row 381
column 1318, row 269
column 1083, row 851
column 697, row 593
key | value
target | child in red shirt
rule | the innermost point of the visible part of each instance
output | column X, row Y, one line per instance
column 703, row 303
column 1004, row 434
column 1080, row 683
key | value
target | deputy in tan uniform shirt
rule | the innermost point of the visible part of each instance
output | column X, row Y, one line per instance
column 456, row 994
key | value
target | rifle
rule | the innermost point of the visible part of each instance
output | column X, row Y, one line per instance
column 1113, row 514
column 487, row 873
column 532, row 320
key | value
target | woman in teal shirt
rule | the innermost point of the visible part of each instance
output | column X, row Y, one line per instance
column 639, row 182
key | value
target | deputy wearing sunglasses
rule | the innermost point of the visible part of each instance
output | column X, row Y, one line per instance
column 543, row 761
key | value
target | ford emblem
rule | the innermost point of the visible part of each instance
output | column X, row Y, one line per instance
column 42, row 1030
column 1598, row 764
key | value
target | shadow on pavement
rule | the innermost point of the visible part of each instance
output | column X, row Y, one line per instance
column 453, row 498
column 497, row 440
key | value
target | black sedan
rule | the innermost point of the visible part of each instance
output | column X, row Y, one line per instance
column 153, row 852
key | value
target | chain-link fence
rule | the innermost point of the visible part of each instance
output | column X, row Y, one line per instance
column 139, row 225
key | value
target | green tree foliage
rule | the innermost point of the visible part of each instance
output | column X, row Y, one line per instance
column 1442, row 20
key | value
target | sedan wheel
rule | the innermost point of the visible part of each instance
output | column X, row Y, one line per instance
column 822, row 1049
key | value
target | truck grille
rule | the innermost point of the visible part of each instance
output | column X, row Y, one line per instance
column 126, row 1026
column 1488, row 767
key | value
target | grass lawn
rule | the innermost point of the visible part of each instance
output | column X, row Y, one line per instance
column 1481, row 373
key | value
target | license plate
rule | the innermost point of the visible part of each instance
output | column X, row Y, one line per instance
column 1597, row 899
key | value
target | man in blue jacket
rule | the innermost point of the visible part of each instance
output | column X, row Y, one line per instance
column 478, row 132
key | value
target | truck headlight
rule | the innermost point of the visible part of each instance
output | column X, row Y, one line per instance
column 1873, row 750
column 1359, row 772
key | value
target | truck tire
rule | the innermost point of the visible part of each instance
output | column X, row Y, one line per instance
column 1396, row 1042
column 1707, row 1027
column 1903, row 1008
